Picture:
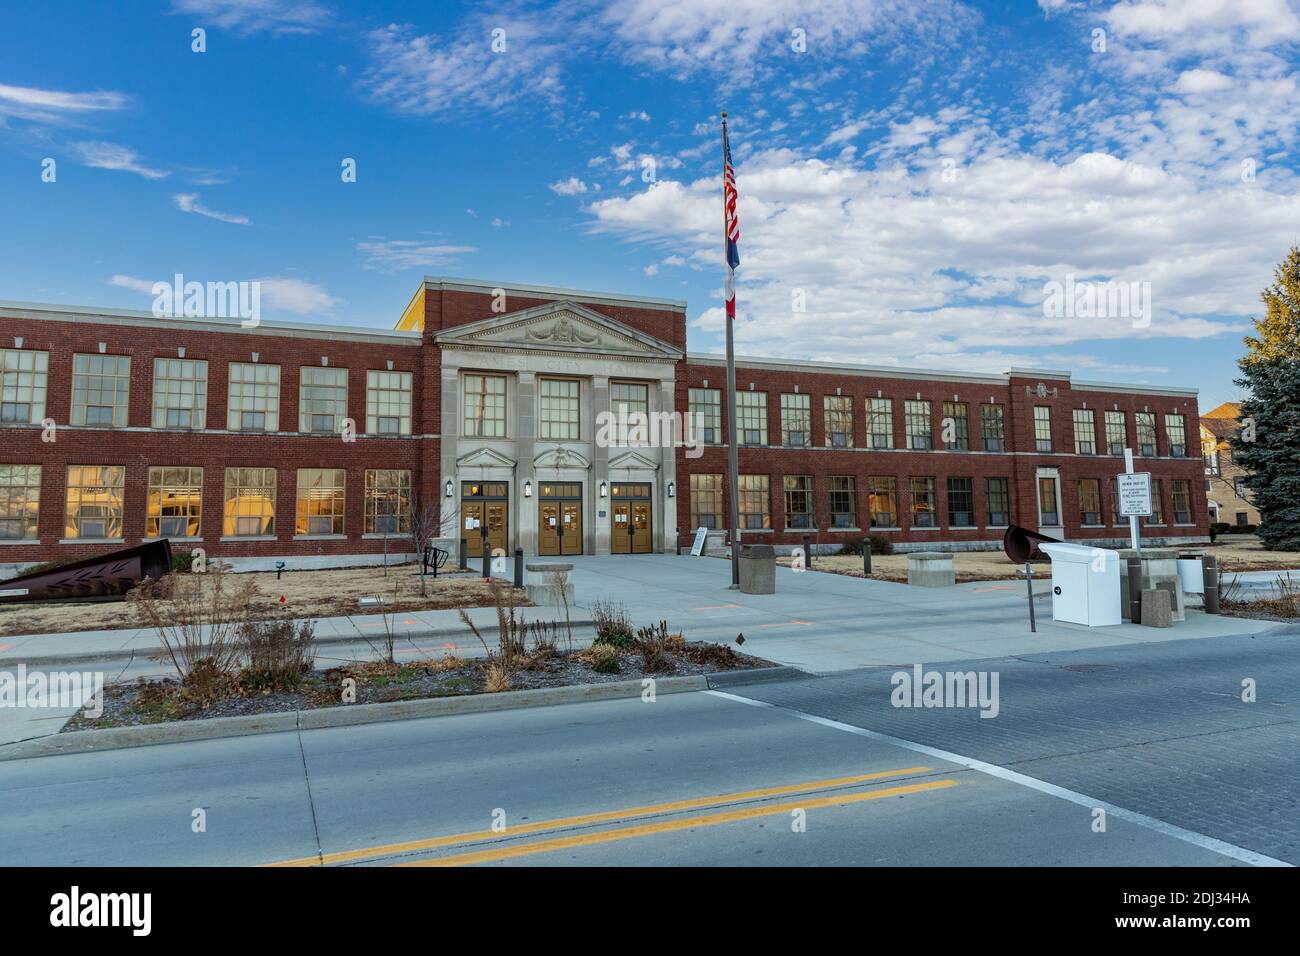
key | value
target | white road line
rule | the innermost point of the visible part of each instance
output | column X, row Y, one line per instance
column 1033, row 783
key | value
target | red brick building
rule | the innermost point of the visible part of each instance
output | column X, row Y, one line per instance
column 487, row 406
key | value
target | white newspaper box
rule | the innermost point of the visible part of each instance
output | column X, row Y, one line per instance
column 1085, row 584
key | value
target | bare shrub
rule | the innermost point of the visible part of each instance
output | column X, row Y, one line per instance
column 512, row 629
column 496, row 678
column 197, row 617
column 603, row 658
column 653, row 644
column 612, row 624
column 278, row 653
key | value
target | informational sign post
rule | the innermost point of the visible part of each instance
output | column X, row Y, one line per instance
column 1134, row 497
column 697, row 549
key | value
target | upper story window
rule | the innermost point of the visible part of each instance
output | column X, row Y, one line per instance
column 388, row 403
column 1085, row 432
column 1042, row 428
column 1176, row 432
column 560, row 409
column 180, row 393
column 100, row 389
column 1116, row 433
column 751, row 417
column 1146, row 434
column 839, row 420
column 322, row 399
column 956, row 426
column 706, row 408
column 253, row 398
column 24, row 378
column 485, row 405
column 993, row 428
column 628, row 398
column 880, row 422
column 796, row 421
column 916, row 417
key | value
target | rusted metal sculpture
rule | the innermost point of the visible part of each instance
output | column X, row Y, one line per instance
column 102, row 577
column 1021, row 544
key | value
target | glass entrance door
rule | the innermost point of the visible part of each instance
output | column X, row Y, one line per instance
column 485, row 504
column 559, row 529
column 631, row 516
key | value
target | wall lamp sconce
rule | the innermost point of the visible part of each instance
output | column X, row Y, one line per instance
column 528, row 488
column 447, row 489
column 672, row 488
column 604, row 489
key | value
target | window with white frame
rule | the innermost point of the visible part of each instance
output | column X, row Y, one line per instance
column 180, row 393
column 882, row 501
column 484, row 398
column 880, row 422
column 1042, row 428
column 1085, row 431
column 1146, row 434
column 253, row 404
column 561, row 411
column 751, row 417
column 94, row 501
column 322, row 398
column 993, row 428
column 838, row 412
column 388, row 501
column 388, row 403
column 956, row 426
column 100, row 390
column 923, row 510
column 706, row 407
column 706, row 501
column 249, row 502
column 755, row 502
column 322, row 500
column 175, row 505
column 916, row 419
column 1116, row 433
column 1176, row 432
column 20, row 502
column 24, row 380
column 796, row 420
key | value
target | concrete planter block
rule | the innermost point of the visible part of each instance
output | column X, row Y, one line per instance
column 715, row 542
column 1157, row 610
column 930, row 569
column 1159, row 570
column 548, row 584
column 757, row 569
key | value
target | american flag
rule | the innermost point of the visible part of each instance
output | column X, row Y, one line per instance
column 732, row 222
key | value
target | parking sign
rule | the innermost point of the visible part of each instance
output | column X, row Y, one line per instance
column 1135, row 494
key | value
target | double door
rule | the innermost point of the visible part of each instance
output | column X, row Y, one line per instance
column 559, row 511
column 631, row 517
column 485, row 505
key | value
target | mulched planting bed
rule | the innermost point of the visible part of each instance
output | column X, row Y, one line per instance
column 160, row 700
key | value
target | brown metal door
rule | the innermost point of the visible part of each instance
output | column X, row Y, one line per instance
column 471, row 517
column 498, row 527
column 641, row 537
column 571, row 525
column 620, row 521
column 495, row 514
column 548, row 529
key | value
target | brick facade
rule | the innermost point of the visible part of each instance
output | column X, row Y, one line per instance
column 446, row 304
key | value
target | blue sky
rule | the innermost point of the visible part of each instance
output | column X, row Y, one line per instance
column 912, row 174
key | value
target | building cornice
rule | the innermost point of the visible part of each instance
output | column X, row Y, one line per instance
column 486, row 286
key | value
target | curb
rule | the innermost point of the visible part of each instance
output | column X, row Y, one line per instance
column 126, row 653
column 120, row 738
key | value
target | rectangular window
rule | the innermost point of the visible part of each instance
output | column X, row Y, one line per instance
column 1090, row 501
column 175, row 503
column 322, row 399
column 254, row 398
column 882, row 501
column 559, row 419
column 838, row 410
column 94, row 501
column 629, row 398
column 993, row 428
column 24, row 379
column 880, row 422
column 100, row 390
column 1146, row 434
column 961, row 502
column 1049, row 514
column 250, row 502
column 916, row 419
column 755, row 502
column 843, row 501
column 1042, row 428
column 706, row 501
column 485, row 406
column 922, row 493
column 751, row 417
column 798, row 501
column 1157, row 502
column 999, row 502
column 796, row 421
column 322, row 499
column 1182, row 495
column 388, row 403
column 956, row 426
column 388, row 501
column 1085, row 431
column 1114, row 500
column 1176, row 432
column 706, row 407
column 180, row 393
column 20, row 501
column 1116, row 433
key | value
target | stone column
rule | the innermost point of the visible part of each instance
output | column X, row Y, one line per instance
column 525, row 436
column 667, row 473
column 450, row 429
column 598, row 538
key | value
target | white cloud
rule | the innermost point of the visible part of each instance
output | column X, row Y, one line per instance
column 573, row 186
column 277, row 17
column 1207, row 22
column 393, row 255
column 287, row 294
column 112, row 156
column 1202, row 81
column 33, row 103
column 189, row 202
column 133, row 283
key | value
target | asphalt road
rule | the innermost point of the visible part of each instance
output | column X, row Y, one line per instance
column 1156, row 736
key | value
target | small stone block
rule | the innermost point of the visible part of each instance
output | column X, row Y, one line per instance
column 1157, row 608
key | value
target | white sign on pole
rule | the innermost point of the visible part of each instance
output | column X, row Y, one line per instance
column 1134, row 494
column 697, row 549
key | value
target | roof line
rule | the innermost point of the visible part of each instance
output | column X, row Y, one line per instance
column 452, row 282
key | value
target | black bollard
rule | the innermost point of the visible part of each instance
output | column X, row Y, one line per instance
column 807, row 552
column 519, row 567
column 464, row 554
column 1210, row 571
column 1135, row 590
column 866, row 558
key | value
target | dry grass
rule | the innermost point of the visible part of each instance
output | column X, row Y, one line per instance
column 306, row 594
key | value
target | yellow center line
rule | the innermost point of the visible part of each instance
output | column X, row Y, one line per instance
column 668, row 826
column 605, row 816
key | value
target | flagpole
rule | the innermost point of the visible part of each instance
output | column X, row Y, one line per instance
column 733, row 466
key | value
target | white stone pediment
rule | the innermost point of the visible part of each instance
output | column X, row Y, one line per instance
column 485, row 458
column 558, row 326
column 633, row 461
column 561, row 458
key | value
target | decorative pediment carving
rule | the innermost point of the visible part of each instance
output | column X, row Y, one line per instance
column 562, row 331
column 562, row 458
column 485, row 458
column 558, row 326
column 633, row 461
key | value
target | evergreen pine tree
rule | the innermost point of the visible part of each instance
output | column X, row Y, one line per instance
column 1268, row 444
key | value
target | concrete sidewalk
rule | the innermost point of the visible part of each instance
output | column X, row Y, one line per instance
column 822, row 622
